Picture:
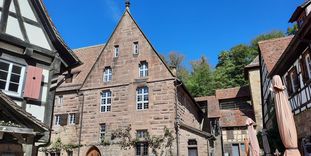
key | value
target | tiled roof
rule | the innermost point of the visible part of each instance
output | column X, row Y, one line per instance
column 230, row 93
column 8, row 103
column 254, row 63
column 212, row 105
column 235, row 118
column 88, row 56
column 271, row 50
column 65, row 52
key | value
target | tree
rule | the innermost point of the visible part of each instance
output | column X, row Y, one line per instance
column 200, row 81
column 230, row 68
column 292, row 30
column 175, row 60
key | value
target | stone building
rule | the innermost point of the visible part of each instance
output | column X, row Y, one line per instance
column 292, row 63
column 32, row 55
column 125, row 95
column 227, row 114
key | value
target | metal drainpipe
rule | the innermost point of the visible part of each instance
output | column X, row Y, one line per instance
column 81, row 117
column 177, row 117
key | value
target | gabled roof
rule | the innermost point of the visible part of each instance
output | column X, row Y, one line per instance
column 70, row 60
column 19, row 115
column 295, row 48
column 231, row 93
column 88, row 56
column 272, row 49
column 299, row 10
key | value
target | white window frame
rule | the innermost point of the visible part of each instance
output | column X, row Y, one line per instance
column 105, row 101
column 21, row 79
column 102, row 131
column 57, row 120
column 116, row 51
column 135, row 48
column 143, row 69
column 72, row 118
column 143, row 103
column 107, row 74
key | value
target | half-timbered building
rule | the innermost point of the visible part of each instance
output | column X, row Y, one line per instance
column 32, row 55
column 294, row 66
column 124, row 100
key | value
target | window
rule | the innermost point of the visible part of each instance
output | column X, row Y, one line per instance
column 11, row 77
column 308, row 65
column 72, row 118
column 102, row 132
column 69, row 153
column 292, row 81
column 143, row 69
column 105, row 104
column 57, row 119
column 192, row 147
column 107, row 74
column 141, row 134
column 142, row 98
column 60, row 99
column 135, row 48
column 116, row 50
column 142, row 149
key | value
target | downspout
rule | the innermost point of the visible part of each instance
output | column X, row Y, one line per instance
column 177, row 123
column 81, row 118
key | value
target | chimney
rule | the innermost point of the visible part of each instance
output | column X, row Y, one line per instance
column 174, row 70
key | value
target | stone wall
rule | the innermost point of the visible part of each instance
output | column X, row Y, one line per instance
column 255, row 88
column 303, row 123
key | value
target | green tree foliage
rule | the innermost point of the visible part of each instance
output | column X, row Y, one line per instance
column 175, row 60
column 230, row 68
column 200, row 81
column 292, row 30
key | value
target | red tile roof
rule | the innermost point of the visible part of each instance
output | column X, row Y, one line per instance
column 271, row 50
column 212, row 105
column 88, row 56
column 235, row 118
column 231, row 93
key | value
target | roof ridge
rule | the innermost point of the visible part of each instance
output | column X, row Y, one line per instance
column 276, row 39
column 91, row 46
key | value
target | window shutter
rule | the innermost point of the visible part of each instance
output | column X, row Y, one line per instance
column 33, row 83
column 304, row 70
column 63, row 119
column 77, row 118
column 289, row 84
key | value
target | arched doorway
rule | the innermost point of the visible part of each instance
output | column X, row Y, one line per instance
column 93, row 151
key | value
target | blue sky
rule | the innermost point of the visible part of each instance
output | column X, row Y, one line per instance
column 191, row 27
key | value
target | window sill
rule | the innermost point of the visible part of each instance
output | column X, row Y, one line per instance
column 141, row 79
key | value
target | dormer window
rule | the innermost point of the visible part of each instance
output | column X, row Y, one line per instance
column 107, row 74
column 116, row 50
column 135, row 48
column 143, row 69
